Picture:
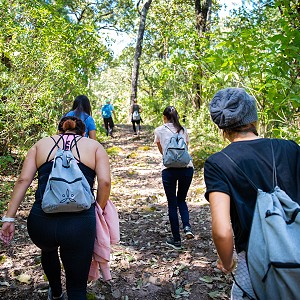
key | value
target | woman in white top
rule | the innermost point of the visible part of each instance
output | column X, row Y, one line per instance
column 175, row 177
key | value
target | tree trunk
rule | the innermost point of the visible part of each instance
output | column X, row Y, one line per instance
column 202, row 11
column 138, row 50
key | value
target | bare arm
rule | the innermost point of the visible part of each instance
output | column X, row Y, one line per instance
column 221, row 229
column 103, row 176
column 23, row 182
column 159, row 147
column 92, row 134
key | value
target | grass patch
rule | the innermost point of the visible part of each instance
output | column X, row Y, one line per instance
column 114, row 150
column 132, row 155
column 144, row 148
column 2, row 259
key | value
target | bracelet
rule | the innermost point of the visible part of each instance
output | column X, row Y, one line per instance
column 7, row 219
column 232, row 267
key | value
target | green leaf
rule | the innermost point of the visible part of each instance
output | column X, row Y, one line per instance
column 214, row 294
column 206, row 279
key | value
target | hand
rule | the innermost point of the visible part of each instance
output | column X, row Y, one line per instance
column 226, row 271
column 7, row 232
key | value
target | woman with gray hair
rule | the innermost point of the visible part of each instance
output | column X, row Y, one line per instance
column 231, row 196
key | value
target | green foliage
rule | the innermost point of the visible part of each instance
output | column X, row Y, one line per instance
column 256, row 48
column 5, row 162
column 205, row 139
column 6, row 187
column 91, row 296
column 50, row 49
column 259, row 51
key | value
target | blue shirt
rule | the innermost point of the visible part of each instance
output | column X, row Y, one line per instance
column 107, row 110
column 87, row 119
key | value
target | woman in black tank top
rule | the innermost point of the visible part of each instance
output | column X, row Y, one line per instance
column 73, row 233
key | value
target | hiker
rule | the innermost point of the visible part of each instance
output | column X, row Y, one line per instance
column 135, row 111
column 106, row 111
column 82, row 109
column 72, row 232
column 171, row 177
column 231, row 196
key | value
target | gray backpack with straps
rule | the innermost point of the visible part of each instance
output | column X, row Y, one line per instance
column 176, row 153
column 136, row 114
column 273, row 253
column 67, row 189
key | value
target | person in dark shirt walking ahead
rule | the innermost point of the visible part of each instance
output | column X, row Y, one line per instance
column 231, row 196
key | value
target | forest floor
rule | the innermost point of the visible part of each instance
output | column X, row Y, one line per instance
column 142, row 265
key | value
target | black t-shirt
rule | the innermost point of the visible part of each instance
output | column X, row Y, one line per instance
column 135, row 107
column 255, row 159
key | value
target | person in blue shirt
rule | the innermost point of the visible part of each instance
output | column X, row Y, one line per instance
column 106, row 111
column 82, row 109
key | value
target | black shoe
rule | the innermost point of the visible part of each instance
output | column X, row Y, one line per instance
column 50, row 297
column 176, row 245
column 188, row 232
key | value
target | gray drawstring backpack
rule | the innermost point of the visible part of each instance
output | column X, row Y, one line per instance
column 67, row 189
column 273, row 254
column 176, row 153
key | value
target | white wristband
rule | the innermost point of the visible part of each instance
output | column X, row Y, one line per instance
column 7, row 219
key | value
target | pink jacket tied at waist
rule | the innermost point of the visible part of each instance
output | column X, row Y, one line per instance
column 107, row 234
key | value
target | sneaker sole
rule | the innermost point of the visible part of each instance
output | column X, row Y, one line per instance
column 174, row 247
column 189, row 235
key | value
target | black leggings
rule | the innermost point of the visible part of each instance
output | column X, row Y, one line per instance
column 74, row 234
column 109, row 124
column 138, row 122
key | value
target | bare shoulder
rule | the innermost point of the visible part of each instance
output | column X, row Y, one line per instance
column 46, row 140
column 92, row 144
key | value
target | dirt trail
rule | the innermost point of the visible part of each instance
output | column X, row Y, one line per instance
column 142, row 265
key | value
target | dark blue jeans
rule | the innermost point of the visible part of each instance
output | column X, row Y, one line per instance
column 74, row 235
column 176, row 196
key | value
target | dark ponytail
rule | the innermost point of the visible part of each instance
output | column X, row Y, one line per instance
column 172, row 116
column 82, row 104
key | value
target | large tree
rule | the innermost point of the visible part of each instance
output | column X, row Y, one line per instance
column 138, row 49
column 203, row 14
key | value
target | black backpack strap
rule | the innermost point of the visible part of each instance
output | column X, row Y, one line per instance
column 55, row 145
column 236, row 165
column 74, row 143
column 170, row 129
column 274, row 167
column 245, row 294
column 86, row 118
column 247, row 177
column 176, row 131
